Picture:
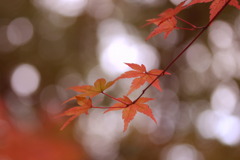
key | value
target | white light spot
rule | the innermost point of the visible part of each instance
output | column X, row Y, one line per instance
column 118, row 47
column 218, row 125
column 69, row 8
column 183, row 152
column 25, row 80
column 147, row 2
column 20, row 31
column 198, row 57
column 176, row 2
column 100, row 9
column 224, row 65
column 221, row 34
column 118, row 52
column 99, row 137
column 224, row 99
column 228, row 130
column 206, row 123
column 124, row 49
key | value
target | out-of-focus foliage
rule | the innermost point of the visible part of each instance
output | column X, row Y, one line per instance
column 43, row 142
column 47, row 46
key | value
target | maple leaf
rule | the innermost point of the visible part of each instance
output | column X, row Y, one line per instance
column 216, row 5
column 85, row 105
column 141, row 76
column 130, row 109
column 167, row 26
column 87, row 90
column 166, row 21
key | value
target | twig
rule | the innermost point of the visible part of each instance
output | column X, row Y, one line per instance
column 183, row 51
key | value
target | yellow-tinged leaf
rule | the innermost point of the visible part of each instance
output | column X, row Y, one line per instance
column 100, row 84
column 91, row 91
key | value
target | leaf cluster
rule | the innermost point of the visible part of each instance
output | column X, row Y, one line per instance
column 166, row 23
column 129, row 108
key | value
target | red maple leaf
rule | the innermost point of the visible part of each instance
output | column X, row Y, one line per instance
column 216, row 5
column 166, row 21
column 140, row 75
column 87, row 90
column 167, row 26
column 130, row 109
column 85, row 105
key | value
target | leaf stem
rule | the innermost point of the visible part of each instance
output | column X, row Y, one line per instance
column 183, row 51
column 114, row 98
column 106, row 107
column 189, row 29
column 192, row 25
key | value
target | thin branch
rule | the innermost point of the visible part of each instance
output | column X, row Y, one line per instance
column 183, row 51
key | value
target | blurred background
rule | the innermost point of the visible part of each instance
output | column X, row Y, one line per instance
column 47, row 46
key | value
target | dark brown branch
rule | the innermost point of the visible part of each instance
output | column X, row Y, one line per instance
column 183, row 51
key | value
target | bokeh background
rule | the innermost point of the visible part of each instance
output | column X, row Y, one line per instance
column 47, row 46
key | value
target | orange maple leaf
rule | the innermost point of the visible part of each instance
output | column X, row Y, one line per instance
column 85, row 105
column 216, row 5
column 87, row 90
column 166, row 21
column 140, row 75
column 131, row 108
